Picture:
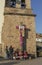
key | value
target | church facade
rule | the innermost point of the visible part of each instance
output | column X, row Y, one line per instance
column 19, row 26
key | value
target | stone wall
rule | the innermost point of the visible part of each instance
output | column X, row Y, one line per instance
column 11, row 36
column 14, row 17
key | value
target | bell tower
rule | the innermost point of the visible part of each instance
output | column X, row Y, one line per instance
column 19, row 13
column 18, row 3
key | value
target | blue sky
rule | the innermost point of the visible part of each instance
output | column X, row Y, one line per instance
column 37, row 9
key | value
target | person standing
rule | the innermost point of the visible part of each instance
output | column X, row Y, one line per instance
column 7, row 52
column 11, row 50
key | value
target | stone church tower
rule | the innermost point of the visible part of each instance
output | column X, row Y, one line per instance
column 18, row 16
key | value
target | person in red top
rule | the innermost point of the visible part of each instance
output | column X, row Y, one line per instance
column 25, row 55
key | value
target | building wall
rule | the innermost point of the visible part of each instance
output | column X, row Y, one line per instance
column 39, row 40
column 10, row 35
column 2, row 3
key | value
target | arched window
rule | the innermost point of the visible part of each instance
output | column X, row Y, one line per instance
column 23, row 4
column 10, row 3
column 13, row 3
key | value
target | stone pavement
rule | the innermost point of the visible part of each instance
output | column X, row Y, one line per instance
column 9, row 62
column 37, row 61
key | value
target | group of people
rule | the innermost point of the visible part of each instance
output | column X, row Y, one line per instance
column 17, row 54
column 9, row 52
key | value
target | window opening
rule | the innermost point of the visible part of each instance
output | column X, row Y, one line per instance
column 13, row 3
column 23, row 4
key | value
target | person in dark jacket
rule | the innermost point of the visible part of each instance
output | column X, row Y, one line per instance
column 11, row 52
column 7, row 52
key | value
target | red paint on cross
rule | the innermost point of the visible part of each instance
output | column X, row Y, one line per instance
column 21, row 37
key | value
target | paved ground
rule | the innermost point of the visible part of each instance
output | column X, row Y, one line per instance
column 37, row 61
